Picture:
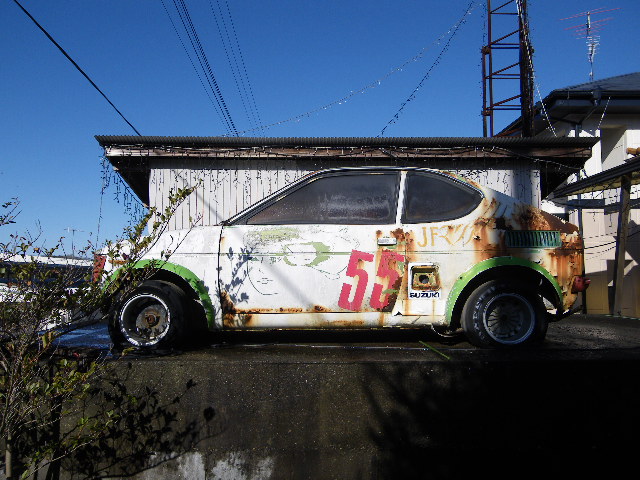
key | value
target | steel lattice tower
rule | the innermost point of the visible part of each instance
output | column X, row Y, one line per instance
column 497, row 51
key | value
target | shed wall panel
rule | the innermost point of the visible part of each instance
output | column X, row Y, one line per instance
column 227, row 186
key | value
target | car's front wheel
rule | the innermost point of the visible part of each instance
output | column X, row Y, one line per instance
column 501, row 314
column 151, row 316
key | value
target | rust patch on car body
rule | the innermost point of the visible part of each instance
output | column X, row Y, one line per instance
column 228, row 309
column 528, row 217
column 398, row 234
column 347, row 323
column 279, row 310
column 233, row 317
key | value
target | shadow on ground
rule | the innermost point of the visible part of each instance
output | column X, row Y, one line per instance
column 510, row 420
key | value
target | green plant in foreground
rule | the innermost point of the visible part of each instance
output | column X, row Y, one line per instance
column 41, row 385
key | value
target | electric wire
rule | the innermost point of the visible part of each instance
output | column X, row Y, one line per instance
column 353, row 93
column 607, row 186
column 209, row 69
column 436, row 62
column 232, row 60
column 244, row 67
column 602, row 117
column 612, row 241
column 228, row 55
column 508, row 152
column 62, row 50
column 194, row 39
column 186, row 50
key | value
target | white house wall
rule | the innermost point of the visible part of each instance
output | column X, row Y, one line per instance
column 225, row 187
column 599, row 228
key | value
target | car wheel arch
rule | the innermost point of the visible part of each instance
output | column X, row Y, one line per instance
column 192, row 286
column 500, row 269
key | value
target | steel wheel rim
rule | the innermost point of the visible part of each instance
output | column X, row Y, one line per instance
column 145, row 319
column 509, row 318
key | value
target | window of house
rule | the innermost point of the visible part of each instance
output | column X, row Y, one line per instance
column 435, row 198
column 350, row 199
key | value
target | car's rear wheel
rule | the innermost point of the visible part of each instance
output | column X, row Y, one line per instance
column 149, row 317
column 499, row 314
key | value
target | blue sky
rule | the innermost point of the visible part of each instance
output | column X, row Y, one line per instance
column 299, row 56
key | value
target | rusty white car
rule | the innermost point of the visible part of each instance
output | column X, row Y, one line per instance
column 364, row 248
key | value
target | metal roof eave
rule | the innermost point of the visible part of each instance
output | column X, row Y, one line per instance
column 410, row 142
column 606, row 180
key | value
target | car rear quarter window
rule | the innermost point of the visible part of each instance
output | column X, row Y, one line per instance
column 350, row 199
column 436, row 198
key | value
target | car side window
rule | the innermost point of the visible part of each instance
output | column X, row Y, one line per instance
column 435, row 198
column 349, row 199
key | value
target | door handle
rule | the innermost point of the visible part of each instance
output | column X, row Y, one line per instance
column 387, row 241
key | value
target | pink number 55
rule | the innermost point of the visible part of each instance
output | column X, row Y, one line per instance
column 355, row 270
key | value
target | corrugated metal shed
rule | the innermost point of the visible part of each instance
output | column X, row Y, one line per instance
column 409, row 142
column 235, row 172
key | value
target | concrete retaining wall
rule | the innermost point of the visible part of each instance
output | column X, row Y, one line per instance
column 301, row 414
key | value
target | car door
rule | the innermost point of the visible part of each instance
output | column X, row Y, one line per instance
column 321, row 253
column 438, row 217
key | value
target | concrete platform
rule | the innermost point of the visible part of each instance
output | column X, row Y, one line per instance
column 404, row 405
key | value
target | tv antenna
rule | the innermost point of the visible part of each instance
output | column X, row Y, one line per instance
column 73, row 234
column 590, row 32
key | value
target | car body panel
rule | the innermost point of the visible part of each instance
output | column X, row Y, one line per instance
column 297, row 273
column 379, row 275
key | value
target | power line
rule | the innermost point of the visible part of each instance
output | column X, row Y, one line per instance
column 230, row 54
column 362, row 90
column 194, row 39
column 232, row 51
column 76, row 65
column 436, row 62
column 186, row 50
column 244, row 68
column 185, row 19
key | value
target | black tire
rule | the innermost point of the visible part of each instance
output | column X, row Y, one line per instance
column 150, row 317
column 499, row 314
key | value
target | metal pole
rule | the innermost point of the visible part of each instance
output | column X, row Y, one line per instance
column 581, row 232
column 490, row 53
column 484, row 92
column 621, row 244
column 526, row 72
